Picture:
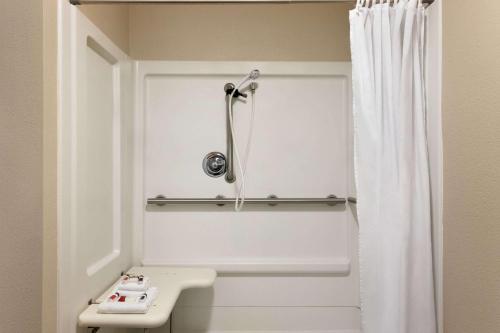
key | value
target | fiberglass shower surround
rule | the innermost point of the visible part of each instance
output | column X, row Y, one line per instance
column 216, row 164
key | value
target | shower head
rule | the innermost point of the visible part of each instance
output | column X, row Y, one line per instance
column 254, row 74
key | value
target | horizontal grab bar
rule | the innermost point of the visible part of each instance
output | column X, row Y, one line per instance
column 221, row 201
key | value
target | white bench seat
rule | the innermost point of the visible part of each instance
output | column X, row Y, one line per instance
column 170, row 282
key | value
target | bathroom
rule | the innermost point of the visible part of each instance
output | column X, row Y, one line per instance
column 141, row 124
column 226, row 145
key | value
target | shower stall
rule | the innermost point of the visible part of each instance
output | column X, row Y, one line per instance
column 154, row 152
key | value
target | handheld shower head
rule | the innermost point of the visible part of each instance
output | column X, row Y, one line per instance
column 254, row 74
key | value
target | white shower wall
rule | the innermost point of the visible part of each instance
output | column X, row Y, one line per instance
column 280, row 268
column 95, row 163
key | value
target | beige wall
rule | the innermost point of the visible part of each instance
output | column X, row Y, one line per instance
column 305, row 32
column 21, row 165
column 49, row 304
column 472, row 166
column 113, row 20
column 300, row 32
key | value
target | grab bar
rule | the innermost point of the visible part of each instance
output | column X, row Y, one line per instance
column 221, row 201
column 230, row 176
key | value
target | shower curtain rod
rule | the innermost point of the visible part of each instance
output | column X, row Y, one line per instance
column 94, row 2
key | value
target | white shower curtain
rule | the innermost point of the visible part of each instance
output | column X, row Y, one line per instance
column 392, row 168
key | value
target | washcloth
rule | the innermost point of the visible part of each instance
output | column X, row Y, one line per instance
column 128, row 302
column 134, row 283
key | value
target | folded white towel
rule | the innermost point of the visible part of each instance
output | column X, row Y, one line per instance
column 134, row 303
column 133, row 283
column 129, row 293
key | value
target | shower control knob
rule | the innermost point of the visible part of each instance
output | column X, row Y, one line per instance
column 214, row 164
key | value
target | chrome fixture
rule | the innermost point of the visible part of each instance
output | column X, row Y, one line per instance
column 272, row 200
column 214, row 164
column 228, row 89
column 253, row 86
column 230, row 177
